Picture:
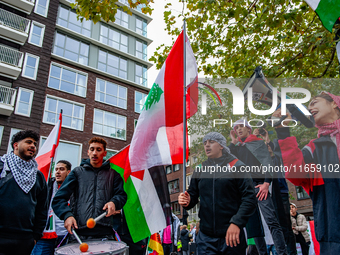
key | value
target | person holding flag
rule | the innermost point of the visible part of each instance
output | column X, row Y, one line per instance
column 23, row 196
column 316, row 165
column 95, row 188
column 227, row 200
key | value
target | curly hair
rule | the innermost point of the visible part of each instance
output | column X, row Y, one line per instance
column 23, row 135
column 98, row 140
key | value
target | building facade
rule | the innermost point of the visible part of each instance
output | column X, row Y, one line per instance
column 95, row 73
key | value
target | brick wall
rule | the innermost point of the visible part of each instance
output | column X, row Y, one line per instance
column 38, row 85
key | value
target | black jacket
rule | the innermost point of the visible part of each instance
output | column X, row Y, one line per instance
column 185, row 239
column 21, row 214
column 322, row 184
column 224, row 199
column 92, row 188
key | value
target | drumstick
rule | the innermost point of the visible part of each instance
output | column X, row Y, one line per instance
column 83, row 246
column 91, row 223
column 76, row 236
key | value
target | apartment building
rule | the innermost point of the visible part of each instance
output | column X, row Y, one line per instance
column 96, row 73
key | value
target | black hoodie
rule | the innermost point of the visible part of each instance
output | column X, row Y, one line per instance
column 224, row 199
column 92, row 188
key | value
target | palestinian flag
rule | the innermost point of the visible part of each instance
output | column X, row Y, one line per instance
column 155, row 244
column 156, row 140
column 327, row 10
column 147, row 209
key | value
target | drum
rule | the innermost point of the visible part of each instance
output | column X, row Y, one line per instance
column 95, row 247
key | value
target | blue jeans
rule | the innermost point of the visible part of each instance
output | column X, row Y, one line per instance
column 46, row 246
column 271, row 248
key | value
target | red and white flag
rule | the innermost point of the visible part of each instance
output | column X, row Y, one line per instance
column 158, row 137
column 48, row 149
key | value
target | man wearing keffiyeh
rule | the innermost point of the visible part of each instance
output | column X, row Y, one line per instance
column 23, row 196
column 227, row 199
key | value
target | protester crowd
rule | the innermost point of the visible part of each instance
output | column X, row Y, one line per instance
column 240, row 212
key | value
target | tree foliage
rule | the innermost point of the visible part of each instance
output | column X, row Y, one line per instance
column 106, row 10
column 230, row 38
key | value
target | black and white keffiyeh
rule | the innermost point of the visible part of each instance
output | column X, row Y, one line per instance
column 215, row 136
column 24, row 172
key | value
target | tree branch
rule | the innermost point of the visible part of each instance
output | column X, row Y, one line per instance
column 329, row 63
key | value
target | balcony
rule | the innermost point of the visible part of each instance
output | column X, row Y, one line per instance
column 10, row 62
column 14, row 27
column 7, row 100
column 22, row 5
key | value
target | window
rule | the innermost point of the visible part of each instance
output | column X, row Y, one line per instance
column 73, row 113
column 141, row 26
column 69, row 151
column 1, row 132
column 176, row 209
column 113, row 38
column 37, row 33
column 112, row 64
column 68, row 80
column 71, row 49
column 187, row 182
column 67, row 18
column 122, row 18
column 141, row 48
column 30, row 68
column 41, row 7
column 168, row 169
column 109, row 124
column 140, row 75
column 110, row 153
column 301, row 193
column 24, row 102
column 110, row 93
column 188, row 163
column 139, row 101
column 13, row 132
column 177, row 167
column 196, row 208
column 195, row 159
column 173, row 186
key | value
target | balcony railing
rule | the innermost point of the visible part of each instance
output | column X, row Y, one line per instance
column 10, row 56
column 7, row 95
column 14, row 21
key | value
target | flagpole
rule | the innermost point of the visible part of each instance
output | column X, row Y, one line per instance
column 54, row 148
column 184, row 107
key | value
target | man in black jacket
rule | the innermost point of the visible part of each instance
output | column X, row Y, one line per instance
column 226, row 200
column 23, row 196
column 254, row 153
column 95, row 188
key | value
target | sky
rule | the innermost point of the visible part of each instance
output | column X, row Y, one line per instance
column 157, row 33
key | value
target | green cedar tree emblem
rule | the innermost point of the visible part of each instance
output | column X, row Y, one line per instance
column 153, row 97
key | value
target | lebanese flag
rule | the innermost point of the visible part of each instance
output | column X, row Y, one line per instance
column 47, row 151
column 156, row 140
